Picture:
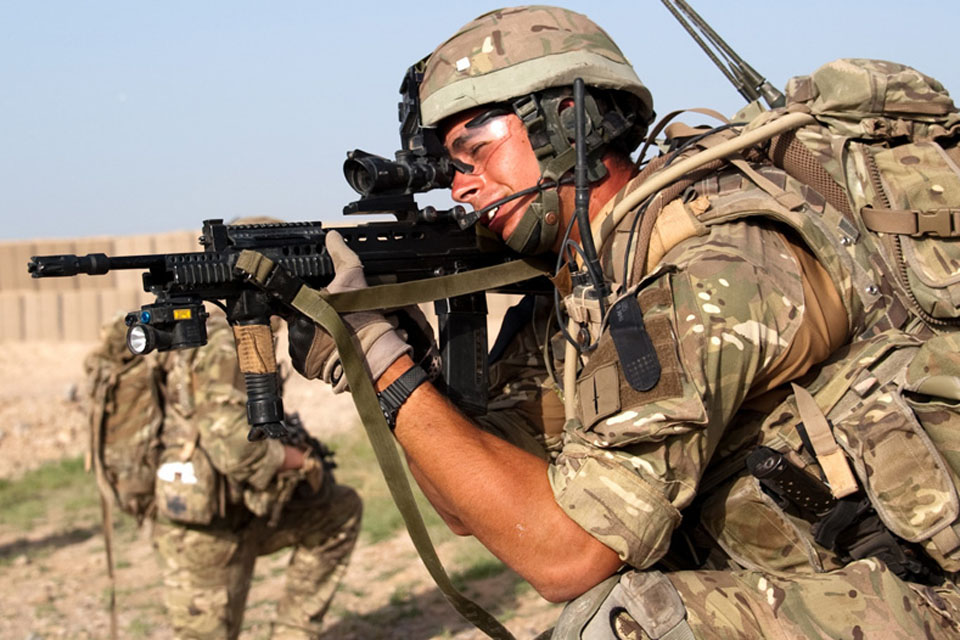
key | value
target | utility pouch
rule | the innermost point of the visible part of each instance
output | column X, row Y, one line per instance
column 920, row 232
column 187, row 486
column 868, row 398
column 647, row 597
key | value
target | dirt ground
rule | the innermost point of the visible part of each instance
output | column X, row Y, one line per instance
column 62, row 592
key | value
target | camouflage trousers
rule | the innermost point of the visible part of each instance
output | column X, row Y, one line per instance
column 862, row 601
column 207, row 571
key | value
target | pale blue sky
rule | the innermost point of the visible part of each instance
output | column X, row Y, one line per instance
column 136, row 116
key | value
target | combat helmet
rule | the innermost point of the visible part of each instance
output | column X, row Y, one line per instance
column 524, row 60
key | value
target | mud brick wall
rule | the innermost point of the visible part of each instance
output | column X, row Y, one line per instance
column 74, row 309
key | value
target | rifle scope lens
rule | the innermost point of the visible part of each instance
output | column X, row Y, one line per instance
column 140, row 339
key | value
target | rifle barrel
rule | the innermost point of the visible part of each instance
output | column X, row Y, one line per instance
column 93, row 264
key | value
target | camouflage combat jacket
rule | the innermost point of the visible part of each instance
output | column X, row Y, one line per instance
column 725, row 308
column 205, row 425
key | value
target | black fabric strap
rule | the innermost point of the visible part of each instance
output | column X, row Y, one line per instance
column 393, row 397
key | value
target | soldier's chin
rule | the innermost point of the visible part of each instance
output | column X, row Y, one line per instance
column 506, row 220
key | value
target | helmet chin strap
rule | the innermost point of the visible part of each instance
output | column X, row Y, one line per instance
column 547, row 118
column 537, row 229
column 530, row 237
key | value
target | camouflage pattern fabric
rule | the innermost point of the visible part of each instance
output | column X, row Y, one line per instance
column 885, row 138
column 207, row 571
column 722, row 309
column 258, row 510
column 205, row 402
column 524, row 407
column 515, row 51
column 863, row 600
column 718, row 319
column 126, row 416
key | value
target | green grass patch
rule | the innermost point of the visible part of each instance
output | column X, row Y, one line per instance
column 403, row 603
column 58, row 486
column 139, row 627
column 474, row 562
column 46, row 610
column 357, row 467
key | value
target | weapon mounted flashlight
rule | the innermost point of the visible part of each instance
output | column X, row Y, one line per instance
column 166, row 325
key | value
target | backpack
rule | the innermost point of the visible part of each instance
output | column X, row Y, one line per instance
column 863, row 454
column 884, row 152
column 879, row 422
column 126, row 417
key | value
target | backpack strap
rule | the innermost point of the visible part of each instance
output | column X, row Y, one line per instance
column 941, row 223
column 107, row 496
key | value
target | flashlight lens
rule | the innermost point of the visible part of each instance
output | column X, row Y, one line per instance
column 137, row 340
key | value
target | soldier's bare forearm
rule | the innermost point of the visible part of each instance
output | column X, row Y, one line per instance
column 499, row 493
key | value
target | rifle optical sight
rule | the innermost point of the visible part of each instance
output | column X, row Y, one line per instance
column 371, row 175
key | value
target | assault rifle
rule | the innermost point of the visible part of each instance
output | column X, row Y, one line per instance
column 420, row 244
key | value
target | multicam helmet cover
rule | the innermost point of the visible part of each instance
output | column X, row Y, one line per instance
column 516, row 51
column 528, row 57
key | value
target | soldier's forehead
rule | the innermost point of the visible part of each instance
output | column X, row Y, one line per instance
column 463, row 134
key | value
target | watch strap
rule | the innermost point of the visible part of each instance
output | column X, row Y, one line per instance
column 397, row 392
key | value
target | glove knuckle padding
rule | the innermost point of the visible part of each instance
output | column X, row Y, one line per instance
column 309, row 347
column 300, row 338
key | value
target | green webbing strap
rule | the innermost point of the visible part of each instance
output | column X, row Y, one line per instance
column 392, row 296
column 317, row 306
column 312, row 304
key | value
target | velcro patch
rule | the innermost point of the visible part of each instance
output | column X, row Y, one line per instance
column 597, row 383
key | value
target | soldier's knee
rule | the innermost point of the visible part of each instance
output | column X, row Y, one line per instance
column 349, row 505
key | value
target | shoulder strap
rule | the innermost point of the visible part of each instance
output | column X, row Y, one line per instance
column 106, row 492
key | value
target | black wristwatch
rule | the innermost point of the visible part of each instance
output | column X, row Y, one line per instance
column 393, row 397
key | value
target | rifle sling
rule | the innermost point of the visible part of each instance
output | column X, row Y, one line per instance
column 318, row 307
column 392, row 296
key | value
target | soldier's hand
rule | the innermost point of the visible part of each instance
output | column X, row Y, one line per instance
column 314, row 353
column 313, row 472
column 417, row 331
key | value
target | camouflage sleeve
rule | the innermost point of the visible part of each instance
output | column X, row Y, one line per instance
column 725, row 312
column 220, row 415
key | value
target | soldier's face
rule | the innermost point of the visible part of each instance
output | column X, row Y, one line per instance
column 501, row 163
